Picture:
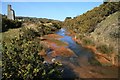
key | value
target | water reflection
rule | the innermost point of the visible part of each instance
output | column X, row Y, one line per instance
column 76, row 48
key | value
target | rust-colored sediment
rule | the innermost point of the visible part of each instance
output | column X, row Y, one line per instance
column 82, row 71
column 58, row 49
column 51, row 36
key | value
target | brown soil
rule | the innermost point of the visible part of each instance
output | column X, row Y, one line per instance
column 102, row 58
column 51, row 36
column 63, row 52
column 58, row 47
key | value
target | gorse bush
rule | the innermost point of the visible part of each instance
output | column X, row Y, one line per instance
column 22, row 61
column 93, row 61
column 87, row 41
column 44, row 29
column 7, row 24
column 104, row 49
column 28, row 34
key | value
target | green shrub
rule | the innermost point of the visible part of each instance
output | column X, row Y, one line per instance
column 115, row 34
column 29, row 34
column 87, row 41
column 21, row 60
column 44, row 30
column 104, row 49
column 67, row 18
column 94, row 62
column 7, row 24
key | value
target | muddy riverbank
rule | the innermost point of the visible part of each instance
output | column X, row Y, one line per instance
column 77, row 60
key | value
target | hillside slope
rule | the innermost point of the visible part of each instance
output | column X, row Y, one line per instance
column 10, row 28
column 86, row 22
column 98, row 28
column 107, row 32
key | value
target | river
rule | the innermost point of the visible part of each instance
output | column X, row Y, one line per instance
column 74, row 66
column 80, row 51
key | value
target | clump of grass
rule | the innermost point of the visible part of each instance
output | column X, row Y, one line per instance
column 88, row 41
column 93, row 61
column 80, row 36
column 104, row 49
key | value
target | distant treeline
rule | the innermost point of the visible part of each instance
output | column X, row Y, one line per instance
column 34, row 19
